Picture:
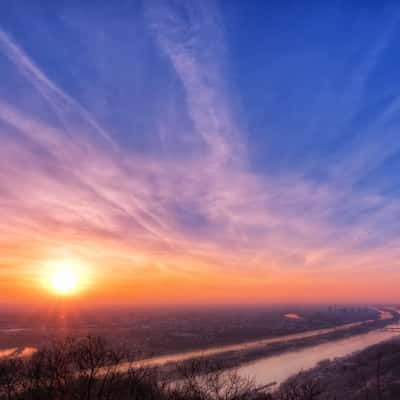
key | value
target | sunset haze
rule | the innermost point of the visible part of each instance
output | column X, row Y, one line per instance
column 199, row 152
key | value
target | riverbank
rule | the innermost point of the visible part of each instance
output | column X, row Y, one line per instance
column 234, row 359
column 247, row 353
column 373, row 373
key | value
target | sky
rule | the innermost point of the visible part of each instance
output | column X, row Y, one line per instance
column 190, row 152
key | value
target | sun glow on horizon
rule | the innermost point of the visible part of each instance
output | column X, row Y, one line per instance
column 65, row 277
column 64, row 281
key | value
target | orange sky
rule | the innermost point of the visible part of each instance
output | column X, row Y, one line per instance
column 196, row 283
column 140, row 169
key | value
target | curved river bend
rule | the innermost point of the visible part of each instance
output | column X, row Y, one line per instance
column 280, row 367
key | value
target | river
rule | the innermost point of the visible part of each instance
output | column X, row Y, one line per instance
column 280, row 367
column 211, row 351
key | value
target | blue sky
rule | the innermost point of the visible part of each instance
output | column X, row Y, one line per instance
column 254, row 137
column 331, row 72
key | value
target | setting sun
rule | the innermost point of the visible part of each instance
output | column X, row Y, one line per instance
column 65, row 277
column 64, row 281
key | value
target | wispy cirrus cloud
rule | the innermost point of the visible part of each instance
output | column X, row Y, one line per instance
column 65, row 188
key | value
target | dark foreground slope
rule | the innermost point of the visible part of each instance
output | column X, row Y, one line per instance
column 87, row 369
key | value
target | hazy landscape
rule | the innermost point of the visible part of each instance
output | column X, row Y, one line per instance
column 268, row 347
column 173, row 329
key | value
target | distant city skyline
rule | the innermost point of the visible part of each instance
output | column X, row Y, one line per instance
column 191, row 152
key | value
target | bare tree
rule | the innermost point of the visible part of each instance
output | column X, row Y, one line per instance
column 202, row 380
column 299, row 388
column 10, row 377
column 90, row 369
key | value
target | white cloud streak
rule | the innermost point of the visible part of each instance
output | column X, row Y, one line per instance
column 59, row 188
